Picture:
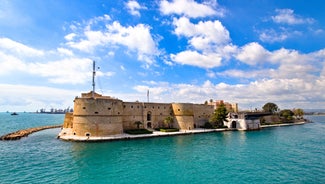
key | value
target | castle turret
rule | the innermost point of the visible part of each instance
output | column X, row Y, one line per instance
column 99, row 116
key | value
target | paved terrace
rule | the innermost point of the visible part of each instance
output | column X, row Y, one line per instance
column 125, row 136
column 23, row 133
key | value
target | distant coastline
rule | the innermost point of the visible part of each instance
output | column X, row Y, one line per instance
column 314, row 111
column 54, row 111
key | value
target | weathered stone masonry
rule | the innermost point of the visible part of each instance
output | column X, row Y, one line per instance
column 105, row 116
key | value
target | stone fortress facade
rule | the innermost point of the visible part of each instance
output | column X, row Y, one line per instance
column 100, row 116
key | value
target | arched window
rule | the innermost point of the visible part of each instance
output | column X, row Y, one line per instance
column 149, row 116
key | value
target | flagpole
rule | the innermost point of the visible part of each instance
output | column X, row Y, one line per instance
column 94, row 73
column 148, row 95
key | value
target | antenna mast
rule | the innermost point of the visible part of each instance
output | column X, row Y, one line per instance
column 94, row 73
column 148, row 95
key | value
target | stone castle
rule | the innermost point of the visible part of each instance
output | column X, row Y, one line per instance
column 101, row 116
column 98, row 116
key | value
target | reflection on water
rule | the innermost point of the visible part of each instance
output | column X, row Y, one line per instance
column 242, row 137
column 292, row 154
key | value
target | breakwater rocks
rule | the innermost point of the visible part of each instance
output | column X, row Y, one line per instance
column 24, row 133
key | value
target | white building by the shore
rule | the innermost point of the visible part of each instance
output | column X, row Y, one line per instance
column 244, row 121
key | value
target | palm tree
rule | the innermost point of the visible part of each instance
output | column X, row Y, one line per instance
column 169, row 121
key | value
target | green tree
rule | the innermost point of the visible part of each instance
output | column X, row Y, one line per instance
column 169, row 121
column 138, row 123
column 299, row 113
column 219, row 116
column 270, row 107
column 286, row 114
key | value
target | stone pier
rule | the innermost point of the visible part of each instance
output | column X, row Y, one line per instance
column 24, row 133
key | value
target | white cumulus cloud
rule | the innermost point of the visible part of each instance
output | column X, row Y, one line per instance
column 137, row 39
column 203, row 34
column 19, row 59
column 188, row 8
column 210, row 41
column 252, row 54
column 287, row 16
column 197, row 59
column 134, row 7
column 10, row 46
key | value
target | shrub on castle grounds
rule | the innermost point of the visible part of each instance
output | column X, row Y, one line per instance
column 138, row 123
column 219, row 117
column 167, row 129
column 207, row 125
column 138, row 131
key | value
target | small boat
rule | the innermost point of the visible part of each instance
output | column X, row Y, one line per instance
column 14, row 113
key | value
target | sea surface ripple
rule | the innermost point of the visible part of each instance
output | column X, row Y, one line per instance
column 293, row 154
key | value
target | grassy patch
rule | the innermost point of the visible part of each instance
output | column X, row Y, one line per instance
column 224, row 126
column 138, row 131
column 168, row 129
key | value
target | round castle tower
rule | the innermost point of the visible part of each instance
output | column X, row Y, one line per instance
column 97, row 116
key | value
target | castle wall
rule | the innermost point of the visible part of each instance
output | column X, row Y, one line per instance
column 184, row 122
column 97, row 125
column 104, row 116
column 202, row 114
column 189, row 116
column 68, row 120
column 184, row 115
column 97, row 117
column 97, row 106
column 151, row 115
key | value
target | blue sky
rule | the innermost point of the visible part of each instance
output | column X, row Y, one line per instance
column 245, row 52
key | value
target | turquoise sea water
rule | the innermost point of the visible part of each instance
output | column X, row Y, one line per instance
column 294, row 154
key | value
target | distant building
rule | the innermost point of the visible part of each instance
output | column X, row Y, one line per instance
column 231, row 107
column 245, row 121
